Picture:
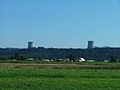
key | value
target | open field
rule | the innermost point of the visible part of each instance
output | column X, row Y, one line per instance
column 59, row 65
column 33, row 76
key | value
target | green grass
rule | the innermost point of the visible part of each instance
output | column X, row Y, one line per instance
column 59, row 79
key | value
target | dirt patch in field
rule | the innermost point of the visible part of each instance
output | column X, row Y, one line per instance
column 59, row 66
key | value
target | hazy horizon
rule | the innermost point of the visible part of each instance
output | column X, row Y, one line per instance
column 59, row 23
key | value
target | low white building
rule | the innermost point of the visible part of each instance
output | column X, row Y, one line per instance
column 46, row 60
column 82, row 60
column 90, row 60
column 106, row 60
column 30, row 59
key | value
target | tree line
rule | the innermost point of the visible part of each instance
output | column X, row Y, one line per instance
column 56, row 53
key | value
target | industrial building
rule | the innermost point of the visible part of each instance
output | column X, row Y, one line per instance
column 90, row 44
column 30, row 45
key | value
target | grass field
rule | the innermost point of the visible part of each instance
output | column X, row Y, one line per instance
column 29, row 78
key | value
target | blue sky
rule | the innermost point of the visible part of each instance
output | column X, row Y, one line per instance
column 59, row 23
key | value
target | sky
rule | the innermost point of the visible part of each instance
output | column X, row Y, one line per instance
column 59, row 23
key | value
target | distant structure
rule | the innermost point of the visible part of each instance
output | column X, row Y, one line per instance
column 90, row 44
column 30, row 45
